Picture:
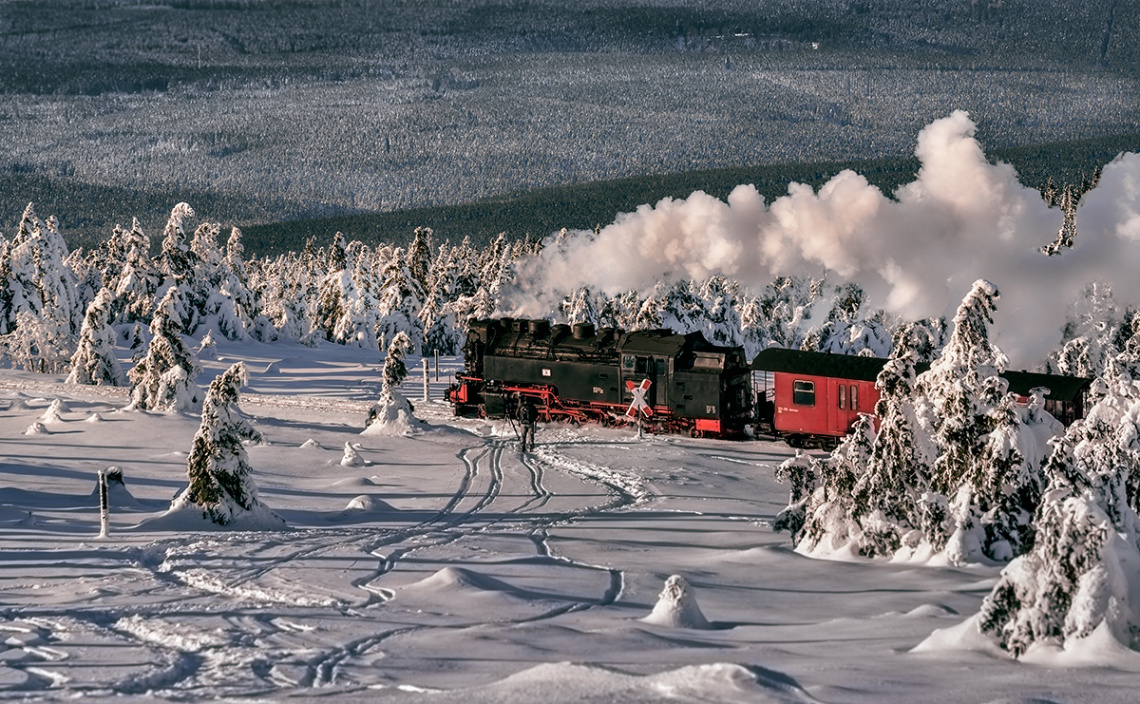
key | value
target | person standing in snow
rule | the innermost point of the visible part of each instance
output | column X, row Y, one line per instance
column 528, row 415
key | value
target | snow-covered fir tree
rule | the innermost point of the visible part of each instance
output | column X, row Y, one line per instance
column 1083, row 570
column 163, row 380
column 953, row 466
column 39, row 291
column 220, row 478
column 400, row 299
column 136, row 284
column 392, row 413
column 94, row 361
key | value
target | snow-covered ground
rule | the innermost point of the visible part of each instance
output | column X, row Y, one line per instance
column 445, row 566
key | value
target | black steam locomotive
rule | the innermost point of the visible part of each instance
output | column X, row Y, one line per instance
column 580, row 374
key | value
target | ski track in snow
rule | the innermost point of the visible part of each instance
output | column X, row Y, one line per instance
column 486, row 462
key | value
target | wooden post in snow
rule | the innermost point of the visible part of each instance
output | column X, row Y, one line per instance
column 436, row 354
column 427, row 390
column 104, row 512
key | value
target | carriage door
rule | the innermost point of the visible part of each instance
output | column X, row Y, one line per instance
column 843, row 405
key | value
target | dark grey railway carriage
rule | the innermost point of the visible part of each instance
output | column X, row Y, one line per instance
column 581, row 374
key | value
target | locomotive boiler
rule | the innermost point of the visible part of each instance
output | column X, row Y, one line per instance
column 581, row 374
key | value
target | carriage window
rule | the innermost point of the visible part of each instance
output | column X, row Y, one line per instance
column 803, row 393
column 842, row 397
column 854, row 397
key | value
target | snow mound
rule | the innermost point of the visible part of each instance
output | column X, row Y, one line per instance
column 187, row 517
column 1101, row 648
column 964, row 636
column 457, row 580
column 718, row 682
column 677, row 607
column 93, row 418
column 356, row 482
column 37, row 428
column 118, row 496
column 352, row 456
column 52, row 414
column 360, row 507
column 391, row 415
column 931, row 611
column 311, row 444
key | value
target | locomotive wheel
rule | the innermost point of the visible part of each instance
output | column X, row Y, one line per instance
column 696, row 433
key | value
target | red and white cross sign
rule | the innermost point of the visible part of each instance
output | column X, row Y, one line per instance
column 639, row 403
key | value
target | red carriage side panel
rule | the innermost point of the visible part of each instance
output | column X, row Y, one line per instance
column 818, row 405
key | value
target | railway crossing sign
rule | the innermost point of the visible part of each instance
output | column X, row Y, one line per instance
column 639, row 406
column 639, row 403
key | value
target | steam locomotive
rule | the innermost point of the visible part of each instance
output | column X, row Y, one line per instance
column 688, row 385
column 580, row 374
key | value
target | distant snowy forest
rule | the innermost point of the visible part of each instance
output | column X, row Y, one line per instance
column 348, row 293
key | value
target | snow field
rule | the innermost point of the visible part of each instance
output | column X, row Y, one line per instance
column 451, row 567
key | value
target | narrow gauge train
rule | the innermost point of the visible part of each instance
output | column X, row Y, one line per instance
column 580, row 374
column 813, row 399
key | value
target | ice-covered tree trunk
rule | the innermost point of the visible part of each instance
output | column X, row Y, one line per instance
column 94, row 361
column 220, row 477
column 164, row 378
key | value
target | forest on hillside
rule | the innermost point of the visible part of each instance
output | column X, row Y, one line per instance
column 283, row 113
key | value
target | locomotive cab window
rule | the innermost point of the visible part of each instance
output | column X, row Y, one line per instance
column 803, row 393
column 642, row 366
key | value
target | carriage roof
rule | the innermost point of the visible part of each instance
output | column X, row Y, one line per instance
column 856, row 368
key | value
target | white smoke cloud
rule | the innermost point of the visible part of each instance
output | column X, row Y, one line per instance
column 915, row 254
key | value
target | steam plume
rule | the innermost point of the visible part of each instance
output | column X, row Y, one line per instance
column 915, row 254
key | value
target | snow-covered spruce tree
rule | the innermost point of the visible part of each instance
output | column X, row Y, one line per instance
column 392, row 413
column 231, row 302
column 399, row 301
column 136, row 283
column 871, row 498
column 348, row 308
column 722, row 323
column 580, row 306
column 36, row 345
column 220, row 478
column 895, row 487
column 94, row 361
column 38, row 288
column 801, row 472
column 163, row 380
column 1083, row 571
column 176, row 261
column 955, row 386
